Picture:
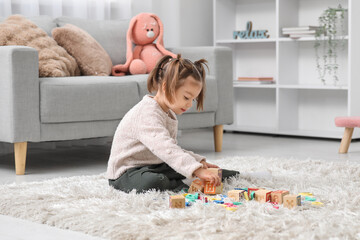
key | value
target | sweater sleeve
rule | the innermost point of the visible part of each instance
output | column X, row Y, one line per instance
column 151, row 132
column 196, row 156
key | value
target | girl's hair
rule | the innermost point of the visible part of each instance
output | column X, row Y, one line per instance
column 172, row 72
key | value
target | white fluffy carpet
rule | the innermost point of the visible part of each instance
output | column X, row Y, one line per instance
column 87, row 204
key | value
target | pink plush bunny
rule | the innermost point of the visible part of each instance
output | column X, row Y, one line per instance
column 143, row 30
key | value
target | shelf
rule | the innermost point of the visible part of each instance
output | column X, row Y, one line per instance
column 251, row 129
column 306, row 39
column 239, row 85
column 294, row 86
column 315, row 87
column 265, row 40
column 269, row 40
column 298, row 103
column 295, row 132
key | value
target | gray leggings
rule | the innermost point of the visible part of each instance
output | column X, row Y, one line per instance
column 159, row 176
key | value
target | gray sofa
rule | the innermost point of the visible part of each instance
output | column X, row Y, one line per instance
column 34, row 109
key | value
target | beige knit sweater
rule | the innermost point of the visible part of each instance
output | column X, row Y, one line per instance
column 147, row 135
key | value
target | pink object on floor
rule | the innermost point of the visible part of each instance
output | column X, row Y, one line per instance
column 349, row 122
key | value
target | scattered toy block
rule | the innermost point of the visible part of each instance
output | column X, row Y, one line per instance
column 263, row 196
column 317, row 204
column 291, row 201
column 252, row 190
column 217, row 171
column 310, row 199
column 196, row 186
column 177, row 201
column 237, row 188
column 219, row 189
column 212, row 189
column 233, row 209
column 278, row 196
column 246, row 196
column 305, row 194
column 236, row 195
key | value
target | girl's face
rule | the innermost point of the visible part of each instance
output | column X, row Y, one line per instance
column 185, row 96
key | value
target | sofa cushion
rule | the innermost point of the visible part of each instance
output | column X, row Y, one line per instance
column 109, row 33
column 76, row 99
column 54, row 61
column 91, row 57
column 211, row 94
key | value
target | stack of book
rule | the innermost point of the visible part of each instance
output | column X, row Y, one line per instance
column 298, row 32
column 254, row 80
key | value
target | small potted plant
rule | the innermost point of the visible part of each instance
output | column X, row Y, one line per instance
column 330, row 38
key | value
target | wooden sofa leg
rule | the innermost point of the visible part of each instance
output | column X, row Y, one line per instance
column 20, row 149
column 218, row 137
column 346, row 140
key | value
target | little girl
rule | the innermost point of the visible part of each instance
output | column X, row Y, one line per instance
column 144, row 154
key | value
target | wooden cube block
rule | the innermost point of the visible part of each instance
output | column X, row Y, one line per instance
column 277, row 196
column 217, row 171
column 177, row 201
column 250, row 190
column 212, row 189
column 236, row 195
column 291, row 201
column 196, row 186
column 263, row 196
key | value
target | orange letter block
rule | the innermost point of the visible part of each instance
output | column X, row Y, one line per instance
column 212, row 189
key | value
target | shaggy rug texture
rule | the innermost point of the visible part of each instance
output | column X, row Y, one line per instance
column 87, row 204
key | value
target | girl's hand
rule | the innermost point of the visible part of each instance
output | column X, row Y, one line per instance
column 208, row 165
column 207, row 176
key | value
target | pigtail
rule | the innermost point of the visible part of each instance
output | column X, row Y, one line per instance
column 155, row 76
column 200, row 66
column 172, row 77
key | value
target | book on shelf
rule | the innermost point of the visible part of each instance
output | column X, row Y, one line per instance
column 299, row 32
column 254, row 80
column 296, row 36
column 301, row 28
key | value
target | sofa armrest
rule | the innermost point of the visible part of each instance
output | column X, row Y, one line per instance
column 221, row 67
column 19, row 94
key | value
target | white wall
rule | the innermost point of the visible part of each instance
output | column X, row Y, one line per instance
column 186, row 22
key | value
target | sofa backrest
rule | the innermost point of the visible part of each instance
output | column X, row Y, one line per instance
column 110, row 34
column 44, row 22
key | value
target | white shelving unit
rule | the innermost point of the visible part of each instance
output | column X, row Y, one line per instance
column 298, row 103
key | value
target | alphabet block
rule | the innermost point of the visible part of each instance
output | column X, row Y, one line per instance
column 252, row 190
column 177, row 201
column 263, row 196
column 212, row 189
column 196, row 186
column 236, row 195
column 217, row 171
column 277, row 196
column 291, row 201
